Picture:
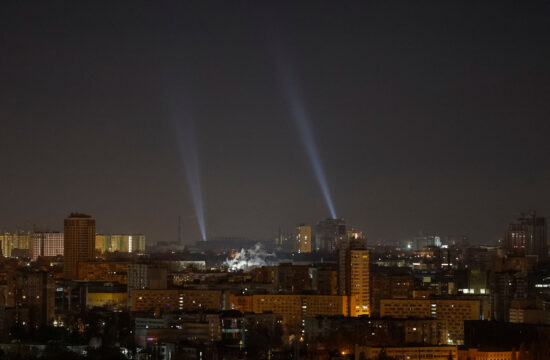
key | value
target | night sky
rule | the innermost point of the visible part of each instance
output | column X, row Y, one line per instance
column 427, row 115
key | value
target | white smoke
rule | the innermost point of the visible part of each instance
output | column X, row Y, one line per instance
column 247, row 259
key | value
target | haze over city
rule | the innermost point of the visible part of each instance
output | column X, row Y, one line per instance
column 425, row 116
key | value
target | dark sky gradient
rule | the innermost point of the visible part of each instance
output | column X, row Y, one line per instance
column 428, row 115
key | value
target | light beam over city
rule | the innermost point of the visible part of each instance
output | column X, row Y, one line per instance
column 300, row 115
column 188, row 149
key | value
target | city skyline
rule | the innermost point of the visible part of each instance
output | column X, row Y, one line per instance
column 240, row 180
column 425, row 117
column 296, row 233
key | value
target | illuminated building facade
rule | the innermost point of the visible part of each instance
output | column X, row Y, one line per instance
column 354, row 275
column 112, row 271
column 120, row 243
column 422, row 241
column 417, row 352
column 455, row 312
column 354, row 234
column 106, row 295
column 46, row 244
column 294, row 308
column 10, row 241
column 303, row 238
column 79, row 240
column 483, row 354
column 106, row 299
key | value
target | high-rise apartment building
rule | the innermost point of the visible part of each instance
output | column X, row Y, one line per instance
column 329, row 233
column 46, row 244
column 79, row 242
column 354, row 275
column 10, row 241
column 527, row 235
column 130, row 243
column 303, row 238
column 507, row 286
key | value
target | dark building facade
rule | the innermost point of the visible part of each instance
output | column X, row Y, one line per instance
column 79, row 243
column 508, row 281
column 389, row 285
column 527, row 235
column 329, row 233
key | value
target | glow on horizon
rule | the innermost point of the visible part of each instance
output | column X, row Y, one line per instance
column 300, row 116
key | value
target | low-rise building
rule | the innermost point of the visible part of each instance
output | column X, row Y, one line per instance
column 454, row 311
column 106, row 295
column 338, row 331
column 110, row 271
column 476, row 354
column 294, row 309
column 175, row 299
column 404, row 353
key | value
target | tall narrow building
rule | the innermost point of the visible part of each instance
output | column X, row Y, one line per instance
column 354, row 275
column 303, row 238
column 79, row 242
